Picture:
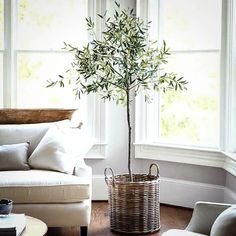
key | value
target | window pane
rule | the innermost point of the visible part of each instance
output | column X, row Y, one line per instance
column 1, row 25
column 192, row 116
column 194, row 24
column 46, row 24
column 33, row 72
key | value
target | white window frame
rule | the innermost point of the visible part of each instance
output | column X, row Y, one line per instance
column 9, row 83
column 1, row 77
column 225, row 156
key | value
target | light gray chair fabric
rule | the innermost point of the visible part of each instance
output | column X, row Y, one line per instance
column 178, row 232
column 225, row 223
column 205, row 214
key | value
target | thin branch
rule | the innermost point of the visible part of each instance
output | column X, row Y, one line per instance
column 118, row 73
column 116, row 85
column 139, row 83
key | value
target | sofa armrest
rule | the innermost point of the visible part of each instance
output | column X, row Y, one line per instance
column 204, row 215
column 83, row 170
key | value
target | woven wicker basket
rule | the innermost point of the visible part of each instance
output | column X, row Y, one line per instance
column 134, row 207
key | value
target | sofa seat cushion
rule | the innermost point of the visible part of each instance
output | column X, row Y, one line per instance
column 41, row 186
column 178, row 232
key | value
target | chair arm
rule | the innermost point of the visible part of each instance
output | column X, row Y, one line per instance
column 204, row 215
column 83, row 170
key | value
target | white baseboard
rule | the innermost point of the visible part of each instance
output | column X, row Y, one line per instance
column 186, row 193
column 176, row 192
column 99, row 188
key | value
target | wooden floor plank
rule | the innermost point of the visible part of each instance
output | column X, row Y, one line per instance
column 171, row 217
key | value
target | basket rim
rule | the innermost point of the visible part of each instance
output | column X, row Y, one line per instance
column 155, row 179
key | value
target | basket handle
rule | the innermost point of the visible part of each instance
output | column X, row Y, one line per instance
column 112, row 176
column 157, row 169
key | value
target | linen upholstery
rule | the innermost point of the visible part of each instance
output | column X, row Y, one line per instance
column 60, row 149
column 52, row 154
column 14, row 156
column 225, row 223
column 177, row 232
column 58, row 215
column 40, row 186
column 204, row 216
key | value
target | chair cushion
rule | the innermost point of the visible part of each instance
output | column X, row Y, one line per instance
column 178, row 232
column 14, row 156
column 225, row 223
column 41, row 186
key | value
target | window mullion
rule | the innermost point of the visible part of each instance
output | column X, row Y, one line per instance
column 97, row 7
column 228, row 113
column 9, row 81
column 142, row 10
column 96, row 107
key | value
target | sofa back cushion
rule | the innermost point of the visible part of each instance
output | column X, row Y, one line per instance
column 14, row 157
column 22, row 133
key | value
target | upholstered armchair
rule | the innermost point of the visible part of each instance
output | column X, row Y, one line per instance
column 212, row 219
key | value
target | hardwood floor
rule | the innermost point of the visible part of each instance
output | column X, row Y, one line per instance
column 171, row 217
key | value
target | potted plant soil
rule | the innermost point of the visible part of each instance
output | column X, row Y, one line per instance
column 119, row 66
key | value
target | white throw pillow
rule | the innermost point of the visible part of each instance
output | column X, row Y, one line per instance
column 78, row 141
column 60, row 149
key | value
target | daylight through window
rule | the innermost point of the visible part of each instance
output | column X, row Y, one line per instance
column 190, row 117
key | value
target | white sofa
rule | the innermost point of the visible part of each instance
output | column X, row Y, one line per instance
column 59, row 199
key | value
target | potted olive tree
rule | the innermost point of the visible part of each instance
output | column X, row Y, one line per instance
column 118, row 66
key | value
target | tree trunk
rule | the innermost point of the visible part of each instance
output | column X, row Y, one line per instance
column 129, row 137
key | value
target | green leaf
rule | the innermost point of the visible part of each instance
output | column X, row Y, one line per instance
column 117, row 4
column 100, row 16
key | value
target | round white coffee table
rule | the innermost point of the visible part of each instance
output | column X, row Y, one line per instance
column 34, row 227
